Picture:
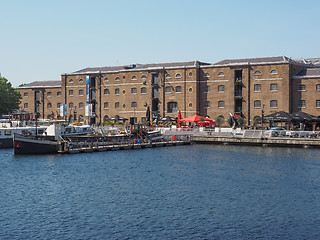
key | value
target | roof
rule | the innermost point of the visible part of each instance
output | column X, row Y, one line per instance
column 42, row 84
column 254, row 60
column 140, row 67
column 308, row 73
column 314, row 61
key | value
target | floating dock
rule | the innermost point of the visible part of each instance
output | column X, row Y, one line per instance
column 85, row 144
column 264, row 142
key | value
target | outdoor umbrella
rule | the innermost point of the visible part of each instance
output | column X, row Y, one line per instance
column 179, row 117
column 195, row 118
column 168, row 119
column 302, row 116
column 279, row 117
column 148, row 114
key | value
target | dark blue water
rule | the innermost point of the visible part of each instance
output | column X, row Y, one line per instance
column 187, row 192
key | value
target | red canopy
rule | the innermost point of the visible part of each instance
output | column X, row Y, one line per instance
column 196, row 118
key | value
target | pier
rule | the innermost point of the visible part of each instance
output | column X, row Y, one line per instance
column 85, row 144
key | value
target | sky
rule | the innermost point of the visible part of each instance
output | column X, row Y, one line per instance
column 42, row 39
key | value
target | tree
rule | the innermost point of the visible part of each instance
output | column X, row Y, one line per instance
column 9, row 97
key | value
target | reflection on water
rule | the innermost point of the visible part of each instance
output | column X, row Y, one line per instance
column 188, row 192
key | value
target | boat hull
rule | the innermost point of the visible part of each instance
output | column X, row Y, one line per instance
column 6, row 142
column 28, row 145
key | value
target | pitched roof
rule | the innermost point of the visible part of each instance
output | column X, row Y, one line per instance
column 254, row 60
column 41, row 84
column 308, row 73
column 140, row 66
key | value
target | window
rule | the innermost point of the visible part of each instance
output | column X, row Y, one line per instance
column 25, row 105
column 71, row 105
column 106, row 79
column 117, row 79
column 172, row 107
column 117, row 91
column 143, row 90
column 257, row 87
column 168, row 76
column 81, row 105
column 190, row 89
column 25, row 94
column 70, row 92
column 221, row 104
column 318, row 87
column 221, row 88
column 168, row 89
column 273, row 87
column 106, row 91
column 123, row 105
column 58, row 105
column 70, row 81
column 133, row 90
column 80, row 92
column 273, row 104
column 190, row 74
column 49, row 105
column 133, row 104
column 302, row 104
column 123, row 91
column 58, row 94
column 134, row 78
column 144, row 77
column 274, row 72
column 207, row 104
column 302, row 87
column 207, row 75
column 190, row 105
column 106, row 105
column 221, row 74
column 48, row 94
column 206, row 89
column 178, row 75
column 117, row 105
column 257, row 73
column 81, row 80
column 178, row 89
column 257, row 104
column 318, row 104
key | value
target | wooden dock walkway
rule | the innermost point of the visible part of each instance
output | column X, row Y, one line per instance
column 85, row 145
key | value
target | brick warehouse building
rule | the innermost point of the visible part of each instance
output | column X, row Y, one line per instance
column 238, row 86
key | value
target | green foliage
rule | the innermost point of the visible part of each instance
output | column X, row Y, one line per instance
column 240, row 121
column 9, row 97
column 219, row 121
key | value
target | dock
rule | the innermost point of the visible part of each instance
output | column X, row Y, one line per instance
column 87, row 144
column 254, row 141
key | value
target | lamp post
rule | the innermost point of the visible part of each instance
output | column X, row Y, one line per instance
column 262, row 115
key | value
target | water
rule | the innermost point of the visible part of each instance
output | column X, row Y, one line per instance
column 187, row 192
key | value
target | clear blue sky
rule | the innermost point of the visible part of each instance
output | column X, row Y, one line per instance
column 42, row 39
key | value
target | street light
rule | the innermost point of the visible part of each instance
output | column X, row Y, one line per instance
column 262, row 115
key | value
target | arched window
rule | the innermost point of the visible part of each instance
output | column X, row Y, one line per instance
column 178, row 75
column 117, row 79
column 168, row 76
column 80, row 92
column 48, row 94
column 273, row 87
column 143, row 77
column 273, row 104
column 71, row 105
column 106, row 79
column 106, row 91
column 207, row 75
column 105, row 118
column 81, row 105
column 221, row 74
column 318, row 87
column 81, row 80
column 133, row 90
column 274, row 72
column 25, row 94
column 49, row 105
column 168, row 89
column 178, row 89
column 105, row 105
column 257, row 73
column 134, row 78
column 70, row 81
column 117, row 91
column 256, row 120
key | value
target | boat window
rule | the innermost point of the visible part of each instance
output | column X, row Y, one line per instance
column 7, row 132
